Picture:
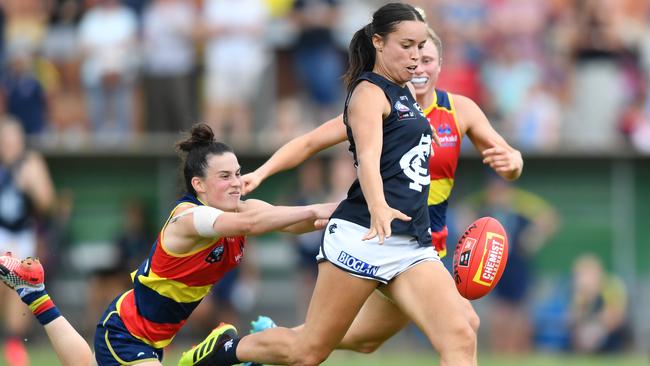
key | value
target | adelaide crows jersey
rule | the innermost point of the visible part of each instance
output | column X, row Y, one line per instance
column 404, row 163
column 442, row 165
column 167, row 287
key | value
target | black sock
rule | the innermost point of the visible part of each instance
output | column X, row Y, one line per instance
column 225, row 355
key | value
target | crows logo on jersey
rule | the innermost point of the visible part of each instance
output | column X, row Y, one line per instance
column 215, row 255
column 415, row 163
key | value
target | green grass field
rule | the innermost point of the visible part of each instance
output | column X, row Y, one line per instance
column 42, row 356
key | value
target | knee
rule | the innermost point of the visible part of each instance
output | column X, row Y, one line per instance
column 465, row 336
column 460, row 337
column 474, row 321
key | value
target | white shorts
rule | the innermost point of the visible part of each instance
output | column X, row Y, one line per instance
column 343, row 247
column 21, row 244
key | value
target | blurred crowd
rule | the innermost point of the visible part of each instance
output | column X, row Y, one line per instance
column 559, row 74
column 552, row 74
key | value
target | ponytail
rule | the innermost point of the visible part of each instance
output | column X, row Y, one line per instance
column 361, row 55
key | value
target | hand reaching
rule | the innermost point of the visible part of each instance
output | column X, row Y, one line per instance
column 506, row 162
column 321, row 224
column 250, row 181
column 380, row 220
column 323, row 211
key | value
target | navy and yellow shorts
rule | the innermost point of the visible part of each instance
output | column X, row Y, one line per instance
column 114, row 345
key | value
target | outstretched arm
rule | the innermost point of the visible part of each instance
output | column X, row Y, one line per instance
column 296, row 151
column 194, row 226
column 497, row 153
column 318, row 214
column 324, row 211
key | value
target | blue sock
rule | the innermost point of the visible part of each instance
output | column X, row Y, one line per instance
column 41, row 305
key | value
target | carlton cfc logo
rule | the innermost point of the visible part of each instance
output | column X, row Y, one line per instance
column 415, row 162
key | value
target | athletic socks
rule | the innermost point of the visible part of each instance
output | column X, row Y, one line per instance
column 40, row 304
column 27, row 277
column 225, row 355
column 218, row 348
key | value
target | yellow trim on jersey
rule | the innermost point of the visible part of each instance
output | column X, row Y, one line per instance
column 118, row 305
column 174, row 290
column 439, row 190
column 171, row 254
column 162, row 231
column 429, row 108
column 203, row 247
column 159, row 344
column 455, row 113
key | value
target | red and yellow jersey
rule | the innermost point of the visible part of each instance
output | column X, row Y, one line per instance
column 167, row 287
column 442, row 164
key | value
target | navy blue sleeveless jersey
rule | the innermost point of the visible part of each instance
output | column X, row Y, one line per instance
column 404, row 164
column 16, row 209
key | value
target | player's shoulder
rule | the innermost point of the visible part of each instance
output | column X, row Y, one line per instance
column 468, row 111
column 369, row 97
column 367, row 87
column 180, row 208
column 461, row 102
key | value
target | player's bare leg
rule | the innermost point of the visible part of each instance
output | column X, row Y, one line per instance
column 438, row 310
column 326, row 324
column 378, row 320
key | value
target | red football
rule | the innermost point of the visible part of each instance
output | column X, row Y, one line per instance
column 480, row 258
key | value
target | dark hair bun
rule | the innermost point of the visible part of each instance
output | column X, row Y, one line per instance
column 200, row 135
